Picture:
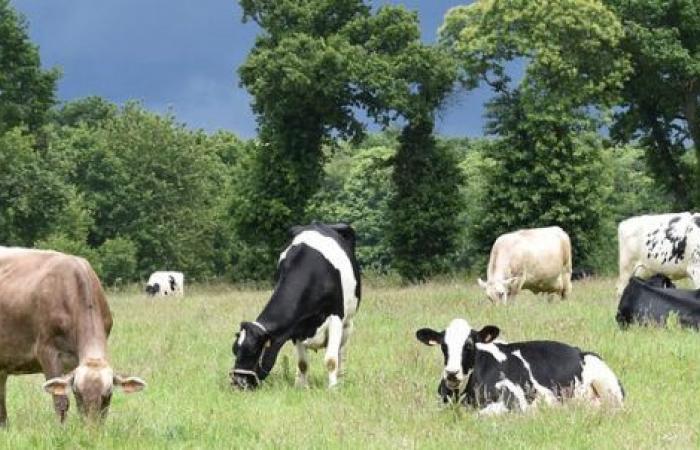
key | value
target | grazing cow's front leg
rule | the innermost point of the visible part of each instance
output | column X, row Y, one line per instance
column 3, row 410
column 302, row 365
column 53, row 367
column 335, row 337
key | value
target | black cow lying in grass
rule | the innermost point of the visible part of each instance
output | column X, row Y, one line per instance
column 497, row 377
column 650, row 302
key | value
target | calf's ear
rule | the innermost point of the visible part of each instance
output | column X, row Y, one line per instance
column 58, row 385
column 487, row 334
column 429, row 336
column 130, row 384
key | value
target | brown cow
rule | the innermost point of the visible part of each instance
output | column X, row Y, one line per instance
column 54, row 319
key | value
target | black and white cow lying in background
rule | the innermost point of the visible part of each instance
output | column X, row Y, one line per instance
column 166, row 283
column 650, row 302
column 313, row 305
column 497, row 377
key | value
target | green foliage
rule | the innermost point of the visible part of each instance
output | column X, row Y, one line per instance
column 424, row 209
column 356, row 189
column 661, row 100
column 117, row 260
column 26, row 90
column 32, row 194
column 90, row 111
column 66, row 244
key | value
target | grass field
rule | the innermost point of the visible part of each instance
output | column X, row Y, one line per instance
column 387, row 398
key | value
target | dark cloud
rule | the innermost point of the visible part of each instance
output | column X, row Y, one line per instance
column 181, row 56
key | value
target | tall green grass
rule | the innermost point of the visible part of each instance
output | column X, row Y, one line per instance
column 387, row 399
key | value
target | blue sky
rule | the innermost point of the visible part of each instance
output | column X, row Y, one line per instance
column 182, row 56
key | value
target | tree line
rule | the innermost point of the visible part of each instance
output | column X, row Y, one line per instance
column 601, row 125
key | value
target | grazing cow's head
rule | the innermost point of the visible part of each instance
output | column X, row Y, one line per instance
column 152, row 289
column 498, row 291
column 92, row 383
column 249, row 350
column 458, row 343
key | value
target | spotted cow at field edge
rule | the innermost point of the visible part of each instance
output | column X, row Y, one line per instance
column 313, row 305
column 54, row 319
column 497, row 377
column 650, row 302
column 538, row 259
column 668, row 244
column 166, row 283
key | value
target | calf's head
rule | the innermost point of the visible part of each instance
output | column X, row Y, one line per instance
column 92, row 383
column 458, row 344
column 250, row 346
column 498, row 291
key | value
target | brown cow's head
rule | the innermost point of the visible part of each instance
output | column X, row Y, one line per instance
column 92, row 383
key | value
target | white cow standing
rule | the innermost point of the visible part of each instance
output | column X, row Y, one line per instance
column 166, row 283
column 668, row 244
column 538, row 259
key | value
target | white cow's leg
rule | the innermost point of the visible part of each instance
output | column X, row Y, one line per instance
column 566, row 285
column 335, row 337
column 302, row 365
column 3, row 410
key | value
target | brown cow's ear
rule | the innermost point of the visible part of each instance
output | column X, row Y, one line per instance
column 130, row 384
column 58, row 385
column 429, row 336
column 487, row 334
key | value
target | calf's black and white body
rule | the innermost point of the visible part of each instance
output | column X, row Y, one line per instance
column 496, row 377
column 163, row 283
column 313, row 305
column 650, row 302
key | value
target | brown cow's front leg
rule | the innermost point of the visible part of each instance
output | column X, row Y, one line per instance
column 53, row 367
column 3, row 408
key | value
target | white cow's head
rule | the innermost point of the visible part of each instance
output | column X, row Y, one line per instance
column 92, row 383
column 458, row 344
column 498, row 291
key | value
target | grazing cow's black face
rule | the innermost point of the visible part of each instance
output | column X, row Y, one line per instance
column 458, row 344
column 153, row 290
column 248, row 349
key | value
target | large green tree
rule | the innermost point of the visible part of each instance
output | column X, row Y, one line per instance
column 26, row 90
column 547, row 161
column 316, row 63
column 661, row 100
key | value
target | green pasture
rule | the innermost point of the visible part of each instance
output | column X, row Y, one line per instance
column 387, row 399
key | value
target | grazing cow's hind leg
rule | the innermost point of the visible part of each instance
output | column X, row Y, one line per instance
column 52, row 368
column 3, row 409
column 302, row 365
column 335, row 336
column 348, row 328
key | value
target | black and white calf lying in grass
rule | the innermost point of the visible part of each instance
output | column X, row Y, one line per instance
column 495, row 377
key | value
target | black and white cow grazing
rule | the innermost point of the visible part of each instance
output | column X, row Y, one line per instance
column 650, row 303
column 313, row 305
column 496, row 377
column 667, row 244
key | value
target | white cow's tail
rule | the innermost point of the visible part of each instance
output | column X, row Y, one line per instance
column 599, row 378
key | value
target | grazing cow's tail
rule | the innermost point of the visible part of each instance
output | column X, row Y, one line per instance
column 601, row 379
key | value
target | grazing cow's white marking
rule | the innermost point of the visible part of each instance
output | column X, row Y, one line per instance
column 456, row 334
column 241, row 337
column 493, row 350
column 517, row 392
column 599, row 381
column 668, row 244
column 538, row 259
column 542, row 391
column 334, row 254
